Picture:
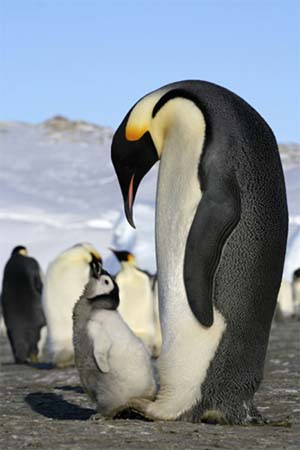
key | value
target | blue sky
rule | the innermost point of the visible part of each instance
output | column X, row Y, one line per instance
column 92, row 59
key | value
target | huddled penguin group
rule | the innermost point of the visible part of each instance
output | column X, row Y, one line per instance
column 221, row 231
column 28, row 302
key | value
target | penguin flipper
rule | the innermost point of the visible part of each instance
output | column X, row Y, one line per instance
column 101, row 347
column 217, row 215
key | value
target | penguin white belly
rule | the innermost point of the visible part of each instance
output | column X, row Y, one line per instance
column 296, row 296
column 188, row 347
column 3, row 331
column 62, row 290
column 130, row 371
column 136, row 304
column 285, row 299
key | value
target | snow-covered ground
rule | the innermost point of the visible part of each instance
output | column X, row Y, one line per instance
column 58, row 187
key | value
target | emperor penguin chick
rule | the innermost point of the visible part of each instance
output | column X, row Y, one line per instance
column 113, row 364
column 137, row 301
column 66, row 279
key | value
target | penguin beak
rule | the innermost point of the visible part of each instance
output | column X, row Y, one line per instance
column 115, row 252
column 131, row 160
column 96, row 268
column 128, row 204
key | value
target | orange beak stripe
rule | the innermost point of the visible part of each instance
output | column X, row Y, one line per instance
column 130, row 192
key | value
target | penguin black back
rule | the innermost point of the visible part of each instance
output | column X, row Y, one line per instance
column 21, row 300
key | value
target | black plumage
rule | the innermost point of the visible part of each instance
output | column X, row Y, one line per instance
column 21, row 303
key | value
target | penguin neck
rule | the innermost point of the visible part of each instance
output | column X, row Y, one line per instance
column 178, row 196
column 128, row 266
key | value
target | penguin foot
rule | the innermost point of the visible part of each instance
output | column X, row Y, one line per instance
column 33, row 358
column 284, row 423
column 141, row 406
column 98, row 417
column 214, row 417
column 130, row 414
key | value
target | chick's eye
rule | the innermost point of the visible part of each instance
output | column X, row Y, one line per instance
column 106, row 281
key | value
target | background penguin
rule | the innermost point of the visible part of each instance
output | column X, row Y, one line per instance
column 296, row 291
column 65, row 280
column 2, row 324
column 137, row 301
column 221, row 230
column 113, row 364
column 154, row 287
column 21, row 302
column 285, row 304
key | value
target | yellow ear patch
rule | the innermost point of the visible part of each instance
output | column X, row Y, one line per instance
column 134, row 133
column 140, row 118
column 23, row 252
column 130, row 258
column 96, row 255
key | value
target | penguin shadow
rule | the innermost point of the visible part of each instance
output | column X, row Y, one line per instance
column 42, row 366
column 67, row 388
column 53, row 406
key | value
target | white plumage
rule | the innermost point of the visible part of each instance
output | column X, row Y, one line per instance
column 113, row 364
column 137, row 302
column 65, row 280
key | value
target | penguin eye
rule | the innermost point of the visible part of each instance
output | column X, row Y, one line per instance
column 106, row 281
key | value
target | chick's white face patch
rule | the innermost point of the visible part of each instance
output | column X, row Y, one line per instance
column 104, row 286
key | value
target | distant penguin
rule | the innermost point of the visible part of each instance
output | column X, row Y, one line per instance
column 137, row 301
column 65, row 281
column 221, row 225
column 296, row 291
column 21, row 302
column 285, row 300
column 2, row 324
column 114, row 365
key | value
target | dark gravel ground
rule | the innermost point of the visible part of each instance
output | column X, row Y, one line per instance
column 45, row 408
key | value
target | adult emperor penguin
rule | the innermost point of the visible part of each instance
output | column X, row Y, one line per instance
column 137, row 305
column 66, row 278
column 296, row 291
column 21, row 302
column 285, row 303
column 113, row 364
column 221, row 229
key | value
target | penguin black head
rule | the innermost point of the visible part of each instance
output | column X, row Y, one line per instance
column 103, row 292
column 124, row 256
column 139, row 141
column 86, row 251
column 133, row 154
column 296, row 275
column 19, row 250
column 96, row 266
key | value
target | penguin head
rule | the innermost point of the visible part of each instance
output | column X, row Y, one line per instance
column 124, row 257
column 296, row 275
column 19, row 250
column 102, row 292
column 139, row 141
column 83, row 253
column 95, row 266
